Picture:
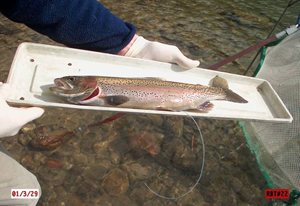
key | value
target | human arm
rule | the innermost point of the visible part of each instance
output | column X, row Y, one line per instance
column 87, row 24
column 83, row 24
column 12, row 119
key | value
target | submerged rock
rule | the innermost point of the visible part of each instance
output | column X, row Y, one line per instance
column 61, row 192
column 88, row 190
column 75, row 201
column 157, row 120
column 80, row 159
column 174, row 126
column 184, row 158
column 141, row 193
column 59, row 177
column 100, row 147
column 24, row 139
column 71, row 182
column 136, row 171
column 149, row 142
column 155, row 202
column 123, row 200
column 115, row 155
column 28, row 128
column 39, row 157
column 115, row 182
column 235, row 184
column 28, row 162
column 97, row 171
column 54, row 163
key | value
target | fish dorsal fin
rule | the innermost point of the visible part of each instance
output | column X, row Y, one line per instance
column 150, row 78
column 219, row 82
column 156, row 78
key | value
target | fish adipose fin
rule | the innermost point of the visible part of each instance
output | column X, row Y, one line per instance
column 230, row 95
column 115, row 100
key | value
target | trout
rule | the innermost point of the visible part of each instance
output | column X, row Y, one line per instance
column 143, row 93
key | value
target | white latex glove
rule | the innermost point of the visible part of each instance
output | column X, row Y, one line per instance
column 13, row 118
column 144, row 49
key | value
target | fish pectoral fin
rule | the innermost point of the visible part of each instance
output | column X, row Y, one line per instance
column 161, row 108
column 219, row 82
column 115, row 100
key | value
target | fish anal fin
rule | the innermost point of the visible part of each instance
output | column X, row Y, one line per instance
column 219, row 82
column 205, row 107
column 115, row 100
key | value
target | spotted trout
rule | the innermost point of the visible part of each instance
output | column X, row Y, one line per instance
column 143, row 93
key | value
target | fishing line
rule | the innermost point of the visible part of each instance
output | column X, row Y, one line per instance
column 200, row 176
column 236, row 149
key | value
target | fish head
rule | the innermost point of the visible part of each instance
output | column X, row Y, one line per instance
column 76, row 89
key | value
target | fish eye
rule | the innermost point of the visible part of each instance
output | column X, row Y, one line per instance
column 71, row 79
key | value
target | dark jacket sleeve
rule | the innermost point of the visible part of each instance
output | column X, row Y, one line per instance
column 84, row 24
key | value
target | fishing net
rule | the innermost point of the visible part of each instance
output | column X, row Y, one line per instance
column 277, row 146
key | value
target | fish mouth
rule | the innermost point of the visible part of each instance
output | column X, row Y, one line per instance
column 62, row 84
column 74, row 90
column 64, row 88
column 61, row 87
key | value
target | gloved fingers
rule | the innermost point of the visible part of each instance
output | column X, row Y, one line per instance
column 169, row 53
column 182, row 60
column 24, row 115
column 28, row 114
column 4, row 90
column 15, row 118
column 157, row 51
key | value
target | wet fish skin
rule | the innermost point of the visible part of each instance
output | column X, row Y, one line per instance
column 143, row 93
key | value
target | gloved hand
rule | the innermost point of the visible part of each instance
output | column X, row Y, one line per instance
column 13, row 118
column 144, row 49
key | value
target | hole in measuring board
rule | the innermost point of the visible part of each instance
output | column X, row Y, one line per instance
column 22, row 98
column 69, row 64
column 31, row 60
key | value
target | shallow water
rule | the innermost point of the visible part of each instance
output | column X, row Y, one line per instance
column 110, row 164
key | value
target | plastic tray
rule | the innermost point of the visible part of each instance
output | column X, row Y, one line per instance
column 35, row 66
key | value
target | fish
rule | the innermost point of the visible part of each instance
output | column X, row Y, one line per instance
column 143, row 93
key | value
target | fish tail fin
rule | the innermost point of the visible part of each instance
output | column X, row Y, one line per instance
column 234, row 97
column 229, row 94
